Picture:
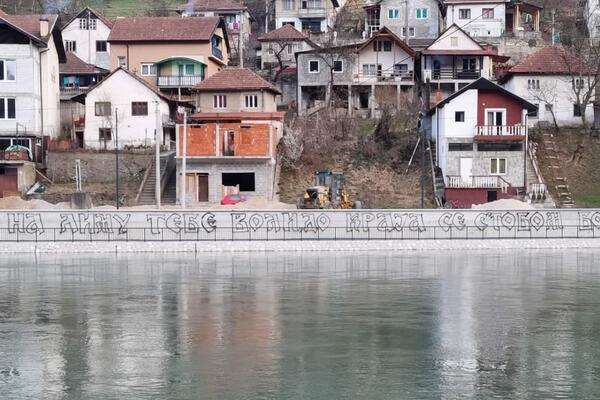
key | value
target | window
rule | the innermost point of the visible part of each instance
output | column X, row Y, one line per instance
column 83, row 24
column 459, row 116
column 139, row 108
column 509, row 146
column 372, row 69
column 186, row 69
column 71, row 45
column 7, row 108
column 533, row 84
column 549, row 107
column 393, row 13
column 148, row 69
column 460, row 147
column 289, row 4
column 464, row 13
column 453, row 41
column 382, row 45
column 251, row 101
column 122, row 62
column 498, row 166
column 338, row 66
column 576, row 110
column 102, row 108
column 313, row 66
column 578, row 83
column 104, row 134
column 422, row 13
column 290, row 48
column 487, row 13
column 220, row 101
column 411, row 31
column 8, row 70
column 101, row 46
column 312, row 25
column 401, row 70
column 305, row 4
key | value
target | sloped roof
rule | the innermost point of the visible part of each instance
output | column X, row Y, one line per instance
column 483, row 84
column 286, row 32
column 551, row 60
column 213, row 5
column 444, row 34
column 30, row 25
column 75, row 65
column 162, row 29
column 233, row 79
column 387, row 33
column 82, row 13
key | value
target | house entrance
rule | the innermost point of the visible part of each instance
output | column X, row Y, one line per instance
column 492, row 195
column 466, row 169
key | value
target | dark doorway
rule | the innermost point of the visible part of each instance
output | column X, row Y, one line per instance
column 492, row 195
column 202, row 187
column 79, row 140
column 8, row 181
column 363, row 100
column 244, row 179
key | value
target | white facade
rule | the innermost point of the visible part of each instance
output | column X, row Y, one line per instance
column 296, row 12
column 550, row 92
column 89, row 43
column 35, row 90
column 396, row 62
column 120, row 89
column 592, row 16
column 423, row 19
column 486, row 19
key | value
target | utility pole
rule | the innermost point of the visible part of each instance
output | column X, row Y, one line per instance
column 157, row 159
column 553, row 28
column 422, row 115
column 405, row 20
column 241, row 40
column 182, row 195
column 117, row 154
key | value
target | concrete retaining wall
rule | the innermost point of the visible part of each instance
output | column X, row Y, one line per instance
column 276, row 226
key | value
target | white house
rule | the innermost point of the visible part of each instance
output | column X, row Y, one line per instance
column 313, row 16
column 480, row 18
column 86, row 35
column 420, row 17
column 551, row 78
column 126, row 108
column 30, row 52
column 592, row 17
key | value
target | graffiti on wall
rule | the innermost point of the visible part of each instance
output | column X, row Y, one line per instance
column 27, row 225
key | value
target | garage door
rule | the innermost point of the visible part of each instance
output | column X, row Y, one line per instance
column 8, row 181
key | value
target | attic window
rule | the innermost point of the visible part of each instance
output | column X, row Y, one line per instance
column 87, row 24
column 454, row 41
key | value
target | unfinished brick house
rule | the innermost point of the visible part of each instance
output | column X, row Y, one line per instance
column 231, row 142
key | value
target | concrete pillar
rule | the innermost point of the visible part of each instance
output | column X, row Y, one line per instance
column 350, row 100
column 299, row 101
column 398, row 96
column 372, row 99
column 516, row 18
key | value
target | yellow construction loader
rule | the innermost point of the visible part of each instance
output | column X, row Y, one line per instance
column 327, row 192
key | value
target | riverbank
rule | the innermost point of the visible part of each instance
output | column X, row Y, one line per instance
column 356, row 246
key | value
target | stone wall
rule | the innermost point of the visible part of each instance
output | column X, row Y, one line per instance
column 96, row 167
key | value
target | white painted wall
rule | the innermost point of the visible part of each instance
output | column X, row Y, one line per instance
column 557, row 90
column 466, row 102
column 121, row 90
column 86, row 42
column 387, row 59
column 327, row 11
column 50, row 90
column 476, row 26
column 464, row 41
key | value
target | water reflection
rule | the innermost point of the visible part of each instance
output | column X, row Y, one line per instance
column 301, row 326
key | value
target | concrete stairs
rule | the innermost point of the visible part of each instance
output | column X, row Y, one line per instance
column 438, row 178
column 564, row 196
column 532, row 178
column 148, row 195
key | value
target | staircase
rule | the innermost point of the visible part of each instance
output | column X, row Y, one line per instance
column 564, row 197
column 438, row 179
column 533, row 180
column 147, row 192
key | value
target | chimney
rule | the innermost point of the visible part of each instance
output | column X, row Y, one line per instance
column 44, row 27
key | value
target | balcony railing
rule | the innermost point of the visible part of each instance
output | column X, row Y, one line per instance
column 384, row 76
column 179, row 81
column 500, row 130
column 216, row 52
column 477, row 182
column 312, row 12
column 442, row 74
column 70, row 92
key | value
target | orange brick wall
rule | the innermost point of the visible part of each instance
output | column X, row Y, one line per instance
column 250, row 140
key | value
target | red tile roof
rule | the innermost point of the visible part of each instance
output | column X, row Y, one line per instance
column 286, row 32
column 83, row 13
column 77, row 66
column 548, row 60
column 161, row 29
column 232, row 79
column 30, row 24
column 216, row 5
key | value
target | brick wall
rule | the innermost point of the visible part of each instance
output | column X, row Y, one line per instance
column 248, row 139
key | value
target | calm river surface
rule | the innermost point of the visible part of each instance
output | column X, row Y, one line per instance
column 505, row 325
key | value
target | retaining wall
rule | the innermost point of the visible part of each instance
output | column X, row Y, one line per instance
column 276, row 225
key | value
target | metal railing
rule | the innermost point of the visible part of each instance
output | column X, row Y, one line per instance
column 179, row 81
column 477, row 182
column 500, row 130
column 383, row 76
column 441, row 74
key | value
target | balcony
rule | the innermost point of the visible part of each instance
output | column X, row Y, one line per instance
column 67, row 93
column 166, row 81
column 385, row 76
column 491, row 133
column 312, row 12
column 477, row 182
column 451, row 74
column 216, row 52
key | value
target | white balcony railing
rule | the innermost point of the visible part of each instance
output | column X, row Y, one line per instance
column 179, row 81
column 385, row 76
column 501, row 130
column 477, row 182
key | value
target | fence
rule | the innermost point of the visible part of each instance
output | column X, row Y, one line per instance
column 341, row 225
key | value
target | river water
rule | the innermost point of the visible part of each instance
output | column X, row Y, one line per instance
column 448, row 325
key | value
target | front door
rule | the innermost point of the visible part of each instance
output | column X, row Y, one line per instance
column 466, row 170
column 492, row 195
column 495, row 119
column 202, row 187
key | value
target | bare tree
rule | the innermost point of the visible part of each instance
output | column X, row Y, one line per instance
column 546, row 94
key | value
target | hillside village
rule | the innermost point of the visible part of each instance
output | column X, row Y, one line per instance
column 463, row 102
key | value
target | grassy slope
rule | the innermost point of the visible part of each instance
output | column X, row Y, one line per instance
column 583, row 177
